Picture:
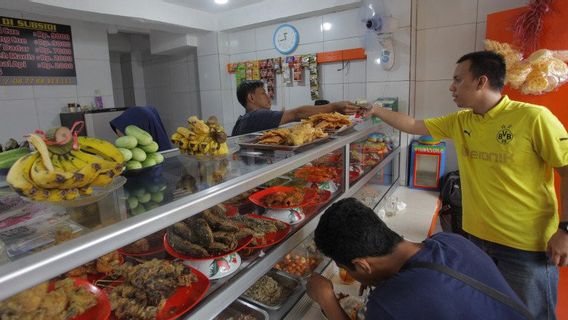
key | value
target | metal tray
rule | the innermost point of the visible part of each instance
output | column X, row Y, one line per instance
column 289, row 283
column 240, row 307
column 253, row 143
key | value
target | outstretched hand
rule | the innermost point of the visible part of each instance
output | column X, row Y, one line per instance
column 372, row 111
column 345, row 107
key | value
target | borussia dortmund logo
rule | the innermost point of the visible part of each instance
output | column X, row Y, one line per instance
column 505, row 135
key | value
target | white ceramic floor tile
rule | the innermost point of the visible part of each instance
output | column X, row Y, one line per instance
column 413, row 222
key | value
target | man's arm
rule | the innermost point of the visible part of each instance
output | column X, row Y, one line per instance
column 303, row 112
column 321, row 291
column 400, row 121
column 558, row 243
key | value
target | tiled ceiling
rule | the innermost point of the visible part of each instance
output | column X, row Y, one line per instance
column 211, row 6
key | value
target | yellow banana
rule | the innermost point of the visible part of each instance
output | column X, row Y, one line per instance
column 71, row 194
column 103, row 179
column 199, row 127
column 91, row 158
column 223, row 149
column 66, row 162
column 176, row 137
column 185, row 132
column 41, row 147
column 86, row 175
column 38, row 194
column 86, row 191
column 184, row 144
column 83, row 173
column 56, row 195
column 72, row 162
column 44, row 178
column 102, row 148
column 204, row 147
column 19, row 174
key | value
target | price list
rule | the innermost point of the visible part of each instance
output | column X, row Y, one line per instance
column 35, row 53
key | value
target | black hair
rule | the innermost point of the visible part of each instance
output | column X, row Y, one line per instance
column 489, row 64
column 349, row 230
column 246, row 87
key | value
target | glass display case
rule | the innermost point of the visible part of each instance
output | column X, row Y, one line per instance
column 42, row 241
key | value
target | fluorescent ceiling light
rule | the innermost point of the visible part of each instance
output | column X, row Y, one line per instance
column 221, row 1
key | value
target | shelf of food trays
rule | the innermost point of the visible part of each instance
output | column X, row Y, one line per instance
column 183, row 188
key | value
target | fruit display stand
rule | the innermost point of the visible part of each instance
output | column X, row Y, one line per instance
column 191, row 186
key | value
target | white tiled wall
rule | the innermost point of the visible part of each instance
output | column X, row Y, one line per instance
column 446, row 30
column 171, row 85
column 338, row 81
column 26, row 108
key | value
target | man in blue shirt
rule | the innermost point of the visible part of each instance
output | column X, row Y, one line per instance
column 253, row 97
column 357, row 240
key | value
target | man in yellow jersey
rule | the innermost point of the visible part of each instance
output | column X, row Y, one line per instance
column 506, row 153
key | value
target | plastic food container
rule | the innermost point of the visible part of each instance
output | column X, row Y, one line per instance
column 288, row 284
column 242, row 310
column 301, row 261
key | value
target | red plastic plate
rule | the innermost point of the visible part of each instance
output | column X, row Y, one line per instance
column 185, row 298
column 256, row 198
column 182, row 300
column 242, row 243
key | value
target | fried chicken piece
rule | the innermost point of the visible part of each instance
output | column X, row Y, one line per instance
column 201, row 232
column 227, row 238
column 186, row 247
column 217, row 220
column 80, row 301
column 260, row 226
column 283, row 198
column 217, row 248
column 54, row 303
column 277, row 136
column 26, row 301
column 182, row 230
column 245, row 232
column 108, row 262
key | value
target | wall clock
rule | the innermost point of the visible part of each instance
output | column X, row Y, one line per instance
column 286, row 38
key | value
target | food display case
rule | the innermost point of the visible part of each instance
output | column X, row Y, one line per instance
column 362, row 161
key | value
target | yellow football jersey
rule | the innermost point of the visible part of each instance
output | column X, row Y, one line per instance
column 506, row 159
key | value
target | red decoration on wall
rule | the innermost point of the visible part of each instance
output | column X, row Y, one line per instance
column 528, row 27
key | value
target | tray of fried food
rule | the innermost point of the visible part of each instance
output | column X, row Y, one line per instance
column 330, row 122
column 209, row 234
column 292, row 138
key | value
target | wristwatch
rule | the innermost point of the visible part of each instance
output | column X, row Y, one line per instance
column 563, row 225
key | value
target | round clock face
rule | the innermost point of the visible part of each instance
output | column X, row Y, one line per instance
column 286, row 39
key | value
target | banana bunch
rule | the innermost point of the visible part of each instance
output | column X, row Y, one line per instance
column 58, row 172
column 201, row 138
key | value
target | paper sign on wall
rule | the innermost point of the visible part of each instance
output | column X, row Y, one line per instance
column 35, row 53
